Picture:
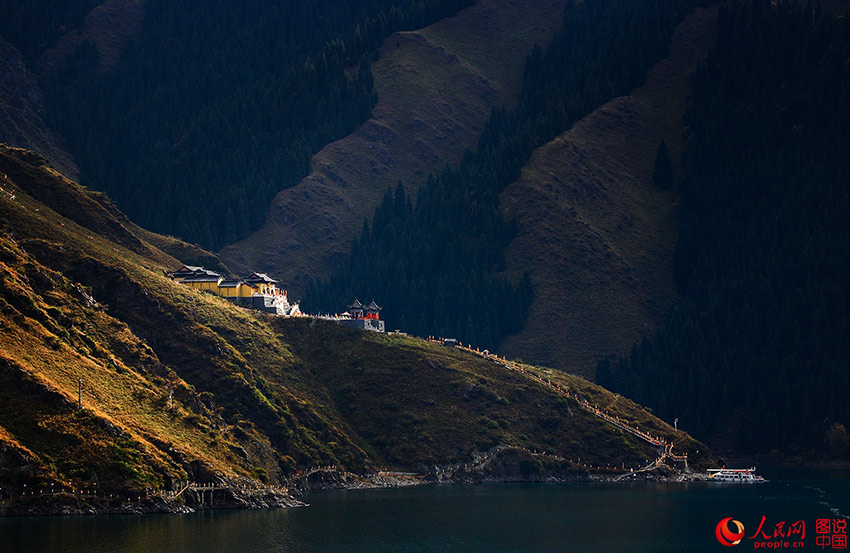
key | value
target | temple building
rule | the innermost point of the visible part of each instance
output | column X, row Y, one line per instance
column 257, row 291
column 261, row 281
column 365, row 317
column 358, row 311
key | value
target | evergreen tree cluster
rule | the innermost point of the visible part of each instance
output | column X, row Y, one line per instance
column 433, row 267
column 437, row 265
column 218, row 105
column 756, row 357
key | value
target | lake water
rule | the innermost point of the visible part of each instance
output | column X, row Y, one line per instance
column 492, row 518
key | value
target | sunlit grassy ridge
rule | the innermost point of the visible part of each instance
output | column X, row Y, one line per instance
column 253, row 395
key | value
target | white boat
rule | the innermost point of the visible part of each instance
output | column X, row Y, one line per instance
column 736, row 476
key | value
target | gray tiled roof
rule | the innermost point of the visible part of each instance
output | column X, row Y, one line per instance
column 260, row 277
column 194, row 271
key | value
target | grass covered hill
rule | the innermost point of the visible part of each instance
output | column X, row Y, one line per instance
column 224, row 101
column 418, row 404
column 83, row 301
column 594, row 233
column 436, row 88
column 438, row 259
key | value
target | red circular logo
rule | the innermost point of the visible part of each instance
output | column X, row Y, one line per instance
column 726, row 536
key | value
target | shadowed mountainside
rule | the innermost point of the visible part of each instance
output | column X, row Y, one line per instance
column 109, row 26
column 22, row 112
column 436, row 88
column 594, row 233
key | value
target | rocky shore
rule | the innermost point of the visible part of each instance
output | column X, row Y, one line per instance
column 190, row 501
column 500, row 465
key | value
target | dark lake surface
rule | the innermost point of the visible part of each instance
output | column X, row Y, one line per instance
column 491, row 518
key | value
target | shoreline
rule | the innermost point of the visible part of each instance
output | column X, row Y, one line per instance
column 67, row 504
column 500, row 465
column 70, row 504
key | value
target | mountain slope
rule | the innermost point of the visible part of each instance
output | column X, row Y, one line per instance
column 58, row 332
column 227, row 100
column 254, row 397
column 110, row 26
column 594, row 233
column 755, row 355
column 22, row 112
column 436, row 88
column 95, row 211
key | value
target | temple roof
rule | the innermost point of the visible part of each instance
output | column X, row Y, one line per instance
column 373, row 306
column 356, row 305
column 260, row 277
column 202, row 278
column 186, row 270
